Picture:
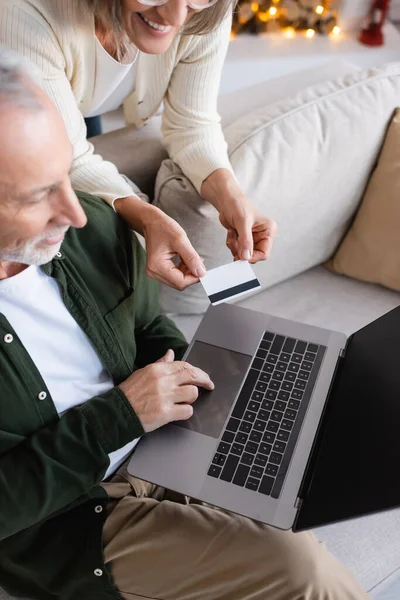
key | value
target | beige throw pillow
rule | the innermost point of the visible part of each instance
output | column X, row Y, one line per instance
column 371, row 249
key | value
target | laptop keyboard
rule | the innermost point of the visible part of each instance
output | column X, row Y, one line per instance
column 260, row 437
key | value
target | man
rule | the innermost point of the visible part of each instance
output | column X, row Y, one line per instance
column 80, row 337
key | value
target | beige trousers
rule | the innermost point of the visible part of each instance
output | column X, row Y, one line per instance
column 162, row 546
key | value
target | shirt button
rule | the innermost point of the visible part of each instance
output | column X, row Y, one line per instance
column 59, row 255
column 8, row 338
column 98, row 572
column 98, row 509
column 42, row 396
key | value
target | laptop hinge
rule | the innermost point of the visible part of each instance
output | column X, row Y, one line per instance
column 298, row 503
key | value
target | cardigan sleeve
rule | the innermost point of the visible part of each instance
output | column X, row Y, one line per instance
column 191, row 123
column 29, row 34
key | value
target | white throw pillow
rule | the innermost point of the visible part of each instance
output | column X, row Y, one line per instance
column 305, row 162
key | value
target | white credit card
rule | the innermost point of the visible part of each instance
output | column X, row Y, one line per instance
column 229, row 281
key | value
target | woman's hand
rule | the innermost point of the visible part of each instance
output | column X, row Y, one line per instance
column 250, row 233
column 165, row 240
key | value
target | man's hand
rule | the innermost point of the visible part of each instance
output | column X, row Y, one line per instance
column 165, row 240
column 164, row 391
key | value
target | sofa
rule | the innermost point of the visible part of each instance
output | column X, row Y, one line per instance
column 303, row 148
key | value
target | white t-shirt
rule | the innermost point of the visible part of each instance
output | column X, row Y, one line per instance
column 63, row 354
column 115, row 81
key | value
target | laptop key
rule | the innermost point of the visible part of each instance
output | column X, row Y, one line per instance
column 266, row 485
column 271, row 470
column 269, row 336
column 281, row 366
column 280, row 405
column 275, row 458
column 303, row 375
column 260, row 460
column 290, row 376
column 273, row 426
column 283, row 435
column 286, row 424
column 290, row 414
column 294, row 403
column 267, row 404
column 229, row 468
column 294, row 367
column 265, row 448
column 233, row 424
column 274, row 385
column 309, row 356
column 252, row 484
column 289, row 345
column 264, row 414
column 255, row 436
column 261, row 353
column 297, row 395
column 272, row 359
column 258, row 364
column 287, row 386
column 219, row 459
column 241, row 475
column 223, row 448
column 276, row 415
column 228, row 436
column 300, row 385
column 249, row 416
column 253, row 406
column 285, row 357
column 214, row 471
column 251, row 447
column 265, row 377
column 259, row 426
column 247, row 459
column 297, row 358
column 279, row 447
column 300, row 347
column 278, row 375
column 257, row 396
column 306, row 366
column 271, row 395
column 312, row 348
column 268, row 368
column 237, row 449
column 246, row 391
column 256, row 472
column 241, row 438
column 283, row 395
column 265, row 345
column 269, row 437
column 277, row 344
column 261, row 386
column 245, row 426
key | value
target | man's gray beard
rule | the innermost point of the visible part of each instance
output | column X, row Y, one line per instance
column 30, row 254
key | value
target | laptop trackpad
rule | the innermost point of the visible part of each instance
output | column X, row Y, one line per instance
column 227, row 370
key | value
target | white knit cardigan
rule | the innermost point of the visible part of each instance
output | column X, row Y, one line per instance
column 59, row 37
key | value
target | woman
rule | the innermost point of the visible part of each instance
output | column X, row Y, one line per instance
column 96, row 54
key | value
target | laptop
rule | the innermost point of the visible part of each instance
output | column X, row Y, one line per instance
column 302, row 429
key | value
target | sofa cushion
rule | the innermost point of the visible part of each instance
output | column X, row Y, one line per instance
column 371, row 249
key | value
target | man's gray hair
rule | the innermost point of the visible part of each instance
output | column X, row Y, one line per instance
column 17, row 76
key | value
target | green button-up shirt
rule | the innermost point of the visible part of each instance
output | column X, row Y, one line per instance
column 51, row 466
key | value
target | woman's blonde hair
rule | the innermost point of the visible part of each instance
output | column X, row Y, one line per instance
column 108, row 16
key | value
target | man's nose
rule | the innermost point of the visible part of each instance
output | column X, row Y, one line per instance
column 70, row 213
column 174, row 12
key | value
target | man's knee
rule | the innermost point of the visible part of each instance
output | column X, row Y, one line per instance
column 315, row 574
